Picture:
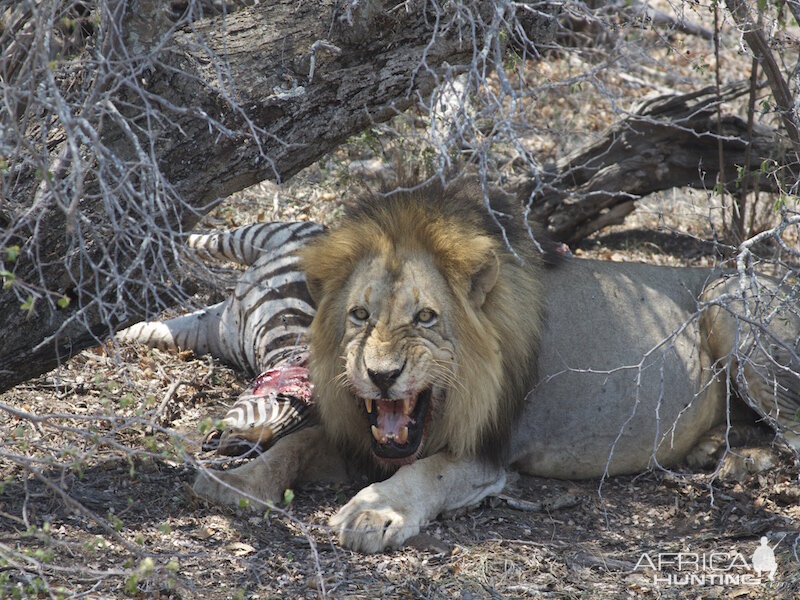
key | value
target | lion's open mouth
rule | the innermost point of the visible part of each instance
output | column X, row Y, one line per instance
column 398, row 426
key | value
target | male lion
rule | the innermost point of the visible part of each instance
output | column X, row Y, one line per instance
column 444, row 350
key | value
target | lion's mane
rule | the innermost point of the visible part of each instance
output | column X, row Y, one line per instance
column 495, row 344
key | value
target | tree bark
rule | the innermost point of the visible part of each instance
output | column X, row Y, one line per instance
column 216, row 106
column 669, row 142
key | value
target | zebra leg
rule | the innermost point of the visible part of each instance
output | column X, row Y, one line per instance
column 305, row 455
column 275, row 404
column 198, row 331
column 264, row 321
column 245, row 245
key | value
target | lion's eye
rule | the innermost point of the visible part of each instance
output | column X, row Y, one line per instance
column 359, row 315
column 426, row 317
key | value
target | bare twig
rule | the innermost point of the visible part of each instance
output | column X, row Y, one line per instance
column 755, row 38
column 718, row 83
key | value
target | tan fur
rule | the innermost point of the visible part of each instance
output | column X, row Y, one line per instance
column 493, row 342
column 263, row 481
column 631, row 378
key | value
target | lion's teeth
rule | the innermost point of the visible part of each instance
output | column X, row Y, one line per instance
column 408, row 406
column 368, row 405
column 403, row 437
column 381, row 439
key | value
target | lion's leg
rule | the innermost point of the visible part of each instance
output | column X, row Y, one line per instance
column 762, row 360
column 302, row 456
column 385, row 514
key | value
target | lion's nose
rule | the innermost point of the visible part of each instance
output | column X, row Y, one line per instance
column 383, row 380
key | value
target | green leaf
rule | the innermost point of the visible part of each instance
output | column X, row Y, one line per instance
column 132, row 585
column 12, row 252
column 28, row 304
column 42, row 174
column 288, row 496
column 63, row 302
column 68, row 24
column 147, row 566
column 8, row 279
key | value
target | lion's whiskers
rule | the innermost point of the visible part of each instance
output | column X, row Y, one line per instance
column 443, row 370
column 341, row 380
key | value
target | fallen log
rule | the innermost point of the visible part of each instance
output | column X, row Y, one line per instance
column 666, row 142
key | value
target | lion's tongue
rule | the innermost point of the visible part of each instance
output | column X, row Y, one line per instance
column 393, row 420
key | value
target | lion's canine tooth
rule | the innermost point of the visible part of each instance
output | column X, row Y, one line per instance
column 377, row 435
column 403, row 437
column 368, row 405
column 408, row 405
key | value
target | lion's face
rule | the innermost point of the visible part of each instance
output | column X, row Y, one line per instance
column 399, row 351
column 424, row 340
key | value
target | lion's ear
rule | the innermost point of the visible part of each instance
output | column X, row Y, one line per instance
column 484, row 279
column 315, row 289
column 316, row 267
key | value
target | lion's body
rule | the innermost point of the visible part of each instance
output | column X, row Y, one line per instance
column 611, row 361
column 425, row 342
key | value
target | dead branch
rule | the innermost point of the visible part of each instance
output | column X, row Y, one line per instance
column 666, row 142
column 755, row 38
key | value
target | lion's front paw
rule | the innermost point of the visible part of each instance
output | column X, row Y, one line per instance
column 370, row 523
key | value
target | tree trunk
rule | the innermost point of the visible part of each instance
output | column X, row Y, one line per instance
column 208, row 108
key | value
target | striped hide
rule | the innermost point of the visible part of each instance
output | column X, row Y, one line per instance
column 261, row 329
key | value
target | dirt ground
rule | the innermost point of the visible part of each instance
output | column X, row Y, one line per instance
column 97, row 457
column 107, row 513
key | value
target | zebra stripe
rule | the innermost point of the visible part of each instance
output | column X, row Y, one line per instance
column 260, row 328
column 254, row 423
column 266, row 277
column 246, row 244
column 197, row 331
column 270, row 295
column 251, row 411
column 275, row 313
